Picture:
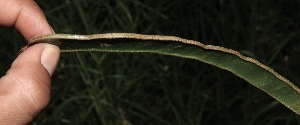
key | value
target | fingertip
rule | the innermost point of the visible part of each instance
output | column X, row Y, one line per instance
column 31, row 21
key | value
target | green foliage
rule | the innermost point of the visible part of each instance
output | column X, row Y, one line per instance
column 110, row 88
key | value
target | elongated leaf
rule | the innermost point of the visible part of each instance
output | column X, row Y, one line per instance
column 248, row 69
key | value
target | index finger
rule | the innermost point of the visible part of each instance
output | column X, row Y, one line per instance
column 26, row 16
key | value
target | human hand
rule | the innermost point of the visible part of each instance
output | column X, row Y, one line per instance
column 25, row 89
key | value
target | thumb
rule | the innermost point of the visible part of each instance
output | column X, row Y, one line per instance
column 25, row 89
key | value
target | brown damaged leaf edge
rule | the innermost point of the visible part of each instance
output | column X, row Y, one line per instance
column 246, row 68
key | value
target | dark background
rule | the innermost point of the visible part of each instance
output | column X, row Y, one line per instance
column 151, row 89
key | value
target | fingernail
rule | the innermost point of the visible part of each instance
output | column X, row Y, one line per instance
column 52, row 30
column 50, row 56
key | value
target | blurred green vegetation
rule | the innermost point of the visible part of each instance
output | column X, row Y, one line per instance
column 150, row 89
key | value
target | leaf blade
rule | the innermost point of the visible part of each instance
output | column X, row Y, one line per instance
column 246, row 68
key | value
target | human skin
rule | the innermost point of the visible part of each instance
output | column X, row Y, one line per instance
column 25, row 89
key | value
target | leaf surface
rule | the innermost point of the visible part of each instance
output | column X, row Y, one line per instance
column 246, row 68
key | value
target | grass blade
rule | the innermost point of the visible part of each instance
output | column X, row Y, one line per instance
column 246, row 68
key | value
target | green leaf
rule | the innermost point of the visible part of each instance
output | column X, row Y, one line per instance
column 246, row 68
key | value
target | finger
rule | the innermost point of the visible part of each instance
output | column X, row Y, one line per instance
column 26, row 16
column 25, row 89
